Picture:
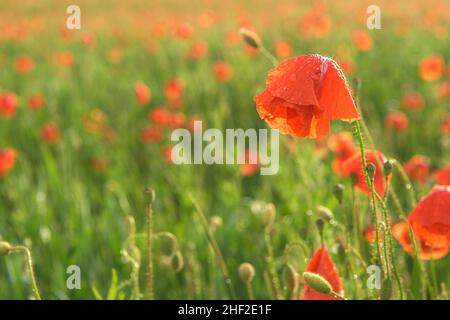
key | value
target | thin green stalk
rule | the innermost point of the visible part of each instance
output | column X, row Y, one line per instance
column 212, row 241
column 149, row 215
column 269, row 56
column 407, row 183
column 271, row 265
column 29, row 261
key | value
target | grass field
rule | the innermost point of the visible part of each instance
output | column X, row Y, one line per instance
column 85, row 122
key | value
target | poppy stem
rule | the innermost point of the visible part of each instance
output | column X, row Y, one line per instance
column 266, row 53
column 213, row 243
column 149, row 216
column 271, row 264
column 407, row 183
column 29, row 261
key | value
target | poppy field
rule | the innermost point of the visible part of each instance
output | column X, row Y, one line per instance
column 348, row 199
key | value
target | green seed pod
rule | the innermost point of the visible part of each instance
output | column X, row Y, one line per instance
column 338, row 191
column 250, row 38
column 388, row 165
column 177, row 261
column 246, row 272
column 320, row 225
column 317, row 282
column 324, row 213
column 5, row 248
column 386, row 289
column 290, row 277
column 371, row 170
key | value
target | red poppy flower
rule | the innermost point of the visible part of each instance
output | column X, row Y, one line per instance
column 23, row 64
column 443, row 90
column 315, row 24
column 7, row 159
column 36, row 102
column 442, row 176
column 174, row 91
column 418, row 168
column 362, row 40
column 342, row 144
column 64, row 59
column 222, row 70
column 8, row 104
column 353, row 167
column 100, row 165
column 398, row 121
column 115, row 55
column 151, row 134
column 412, row 101
column 50, row 133
column 251, row 164
column 88, row 39
column 183, row 31
column 431, row 68
column 430, row 219
column 425, row 250
column 142, row 93
column 346, row 65
column 303, row 95
column 232, row 38
column 322, row 264
column 197, row 51
column 159, row 116
column 283, row 49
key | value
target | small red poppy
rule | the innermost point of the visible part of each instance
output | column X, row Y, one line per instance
column 322, row 264
column 412, row 101
column 303, row 95
column 151, row 134
column 442, row 176
column 8, row 104
column 7, row 159
column 50, row 133
column 354, row 167
column 342, row 144
column 36, row 102
column 418, row 168
column 398, row 121
column 431, row 68
column 222, row 70
column 142, row 93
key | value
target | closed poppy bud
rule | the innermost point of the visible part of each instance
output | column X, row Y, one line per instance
column 177, row 261
column 338, row 191
column 290, row 278
column 5, row 248
column 388, row 165
column 371, row 170
column 320, row 224
column 317, row 282
column 250, row 38
column 324, row 213
column 246, row 272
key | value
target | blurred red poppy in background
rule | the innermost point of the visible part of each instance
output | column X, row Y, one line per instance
column 342, row 144
column 222, row 70
column 397, row 120
column 445, row 127
column 8, row 104
column 322, row 264
column 64, row 58
column 431, row 68
column 174, row 92
column 412, row 101
column 303, row 95
column 418, row 168
column 36, row 102
column 197, row 51
column 362, row 40
column 353, row 167
column 50, row 133
column 283, row 49
column 251, row 164
column 8, row 157
column 150, row 134
column 442, row 176
column 142, row 93
column 23, row 64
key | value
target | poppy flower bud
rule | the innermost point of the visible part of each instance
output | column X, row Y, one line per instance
column 324, row 213
column 269, row 214
column 177, row 261
column 5, row 248
column 246, row 272
column 320, row 224
column 338, row 191
column 388, row 165
column 371, row 170
column 290, row 278
column 317, row 282
column 250, row 38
